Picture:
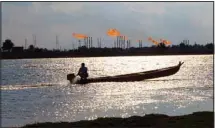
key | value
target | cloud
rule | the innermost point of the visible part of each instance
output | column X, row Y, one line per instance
column 59, row 7
column 174, row 21
column 149, row 8
column 67, row 7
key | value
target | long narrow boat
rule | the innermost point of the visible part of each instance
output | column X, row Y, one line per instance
column 130, row 77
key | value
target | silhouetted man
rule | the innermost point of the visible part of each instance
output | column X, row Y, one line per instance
column 83, row 72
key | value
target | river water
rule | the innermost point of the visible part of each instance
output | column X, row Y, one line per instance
column 36, row 90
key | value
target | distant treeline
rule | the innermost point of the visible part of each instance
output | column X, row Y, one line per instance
column 184, row 48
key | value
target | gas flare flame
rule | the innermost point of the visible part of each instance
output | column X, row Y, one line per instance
column 153, row 41
column 112, row 32
column 165, row 41
column 79, row 36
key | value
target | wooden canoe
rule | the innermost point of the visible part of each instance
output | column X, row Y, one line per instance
column 131, row 77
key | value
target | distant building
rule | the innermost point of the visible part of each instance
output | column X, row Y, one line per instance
column 17, row 49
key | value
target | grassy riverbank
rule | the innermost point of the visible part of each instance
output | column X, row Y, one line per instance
column 194, row 120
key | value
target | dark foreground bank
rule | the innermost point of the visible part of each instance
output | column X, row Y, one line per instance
column 195, row 120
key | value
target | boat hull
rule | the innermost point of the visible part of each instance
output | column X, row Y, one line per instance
column 133, row 76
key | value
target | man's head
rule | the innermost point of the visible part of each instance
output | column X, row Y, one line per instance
column 82, row 64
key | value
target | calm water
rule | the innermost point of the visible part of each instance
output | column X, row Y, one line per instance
column 36, row 90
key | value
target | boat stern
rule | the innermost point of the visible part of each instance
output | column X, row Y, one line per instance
column 70, row 77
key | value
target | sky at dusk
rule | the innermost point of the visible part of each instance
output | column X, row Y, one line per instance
column 173, row 21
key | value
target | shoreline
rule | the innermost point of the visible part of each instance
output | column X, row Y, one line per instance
column 202, row 119
column 94, row 56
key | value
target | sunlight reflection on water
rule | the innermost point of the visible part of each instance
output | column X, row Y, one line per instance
column 39, row 89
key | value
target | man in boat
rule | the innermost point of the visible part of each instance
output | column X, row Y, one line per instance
column 83, row 72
